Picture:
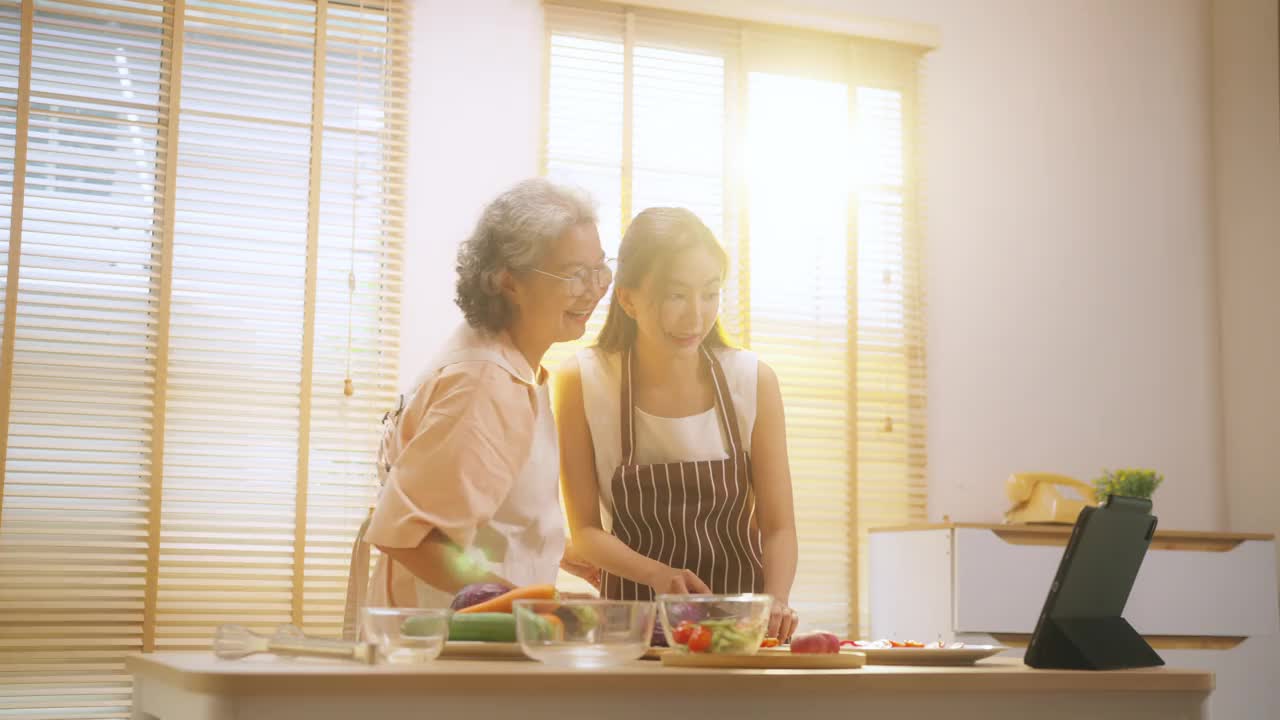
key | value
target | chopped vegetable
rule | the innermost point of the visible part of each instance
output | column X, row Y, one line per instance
column 887, row 644
column 723, row 636
column 578, row 620
column 815, row 643
column 701, row 639
column 769, row 642
column 482, row 627
column 540, row 627
column 554, row 627
column 658, row 638
column 421, row 626
column 679, row 612
column 502, row 603
column 477, row 593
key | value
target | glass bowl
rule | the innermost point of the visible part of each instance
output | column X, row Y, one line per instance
column 715, row 624
column 584, row 633
column 406, row 635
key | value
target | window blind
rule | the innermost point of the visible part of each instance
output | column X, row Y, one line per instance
column 205, row 245
column 82, row 364
column 798, row 150
column 613, row 80
column 586, row 99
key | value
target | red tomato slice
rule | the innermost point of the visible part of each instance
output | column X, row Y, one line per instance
column 700, row 640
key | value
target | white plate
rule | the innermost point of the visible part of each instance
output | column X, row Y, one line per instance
column 967, row 655
column 476, row 650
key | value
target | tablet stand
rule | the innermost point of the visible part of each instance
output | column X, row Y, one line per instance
column 1081, row 627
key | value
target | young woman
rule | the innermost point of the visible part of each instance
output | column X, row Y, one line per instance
column 470, row 462
column 672, row 443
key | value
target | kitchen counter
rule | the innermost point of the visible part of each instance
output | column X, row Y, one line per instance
column 198, row 686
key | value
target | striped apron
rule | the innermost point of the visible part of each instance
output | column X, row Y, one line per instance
column 699, row 516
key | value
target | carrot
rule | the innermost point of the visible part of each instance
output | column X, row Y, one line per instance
column 555, row 625
column 502, row 603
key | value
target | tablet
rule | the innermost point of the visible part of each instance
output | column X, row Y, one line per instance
column 1081, row 625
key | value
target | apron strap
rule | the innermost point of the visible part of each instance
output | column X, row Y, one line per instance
column 724, row 407
column 724, row 403
column 357, row 582
column 627, row 404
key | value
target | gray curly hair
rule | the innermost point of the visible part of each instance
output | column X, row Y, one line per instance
column 513, row 233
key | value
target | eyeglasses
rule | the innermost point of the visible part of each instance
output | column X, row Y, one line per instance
column 578, row 283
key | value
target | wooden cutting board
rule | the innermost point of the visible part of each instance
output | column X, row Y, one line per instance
column 767, row 661
column 475, row 650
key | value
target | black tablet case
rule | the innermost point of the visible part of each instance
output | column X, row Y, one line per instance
column 1081, row 626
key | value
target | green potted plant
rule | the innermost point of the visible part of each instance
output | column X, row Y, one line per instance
column 1130, row 482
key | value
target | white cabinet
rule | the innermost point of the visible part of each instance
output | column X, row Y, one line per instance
column 1206, row 600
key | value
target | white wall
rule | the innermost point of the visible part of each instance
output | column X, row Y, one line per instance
column 1072, row 323
column 1072, row 315
column 474, row 113
column 1246, row 133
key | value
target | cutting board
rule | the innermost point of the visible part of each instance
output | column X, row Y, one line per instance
column 474, row 650
column 767, row 661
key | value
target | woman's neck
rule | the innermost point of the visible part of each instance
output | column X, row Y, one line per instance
column 658, row 367
column 532, row 348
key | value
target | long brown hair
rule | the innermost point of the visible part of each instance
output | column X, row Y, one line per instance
column 652, row 242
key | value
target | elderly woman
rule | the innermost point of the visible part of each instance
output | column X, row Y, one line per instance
column 470, row 464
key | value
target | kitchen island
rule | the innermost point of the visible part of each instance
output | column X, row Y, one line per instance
column 198, row 686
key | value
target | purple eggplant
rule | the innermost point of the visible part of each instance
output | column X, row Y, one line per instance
column 476, row 594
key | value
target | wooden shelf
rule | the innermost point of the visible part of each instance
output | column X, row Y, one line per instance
column 1022, row 534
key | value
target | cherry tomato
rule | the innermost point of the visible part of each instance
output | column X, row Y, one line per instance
column 700, row 640
column 682, row 633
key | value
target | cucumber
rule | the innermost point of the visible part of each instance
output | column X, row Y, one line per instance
column 421, row 626
column 483, row 627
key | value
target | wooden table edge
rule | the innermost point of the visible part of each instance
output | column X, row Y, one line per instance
column 988, row 676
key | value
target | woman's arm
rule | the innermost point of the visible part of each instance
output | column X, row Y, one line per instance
column 582, row 498
column 774, row 506
column 439, row 562
column 463, row 440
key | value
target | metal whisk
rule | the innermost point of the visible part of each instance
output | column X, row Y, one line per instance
column 232, row 642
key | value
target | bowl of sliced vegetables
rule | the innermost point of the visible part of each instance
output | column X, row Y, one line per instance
column 715, row 624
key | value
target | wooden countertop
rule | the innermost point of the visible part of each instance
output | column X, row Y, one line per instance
column 268, row 675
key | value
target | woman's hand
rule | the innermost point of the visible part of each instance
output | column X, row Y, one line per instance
column 676, row 582
column 574, row 564
column 782, row 622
